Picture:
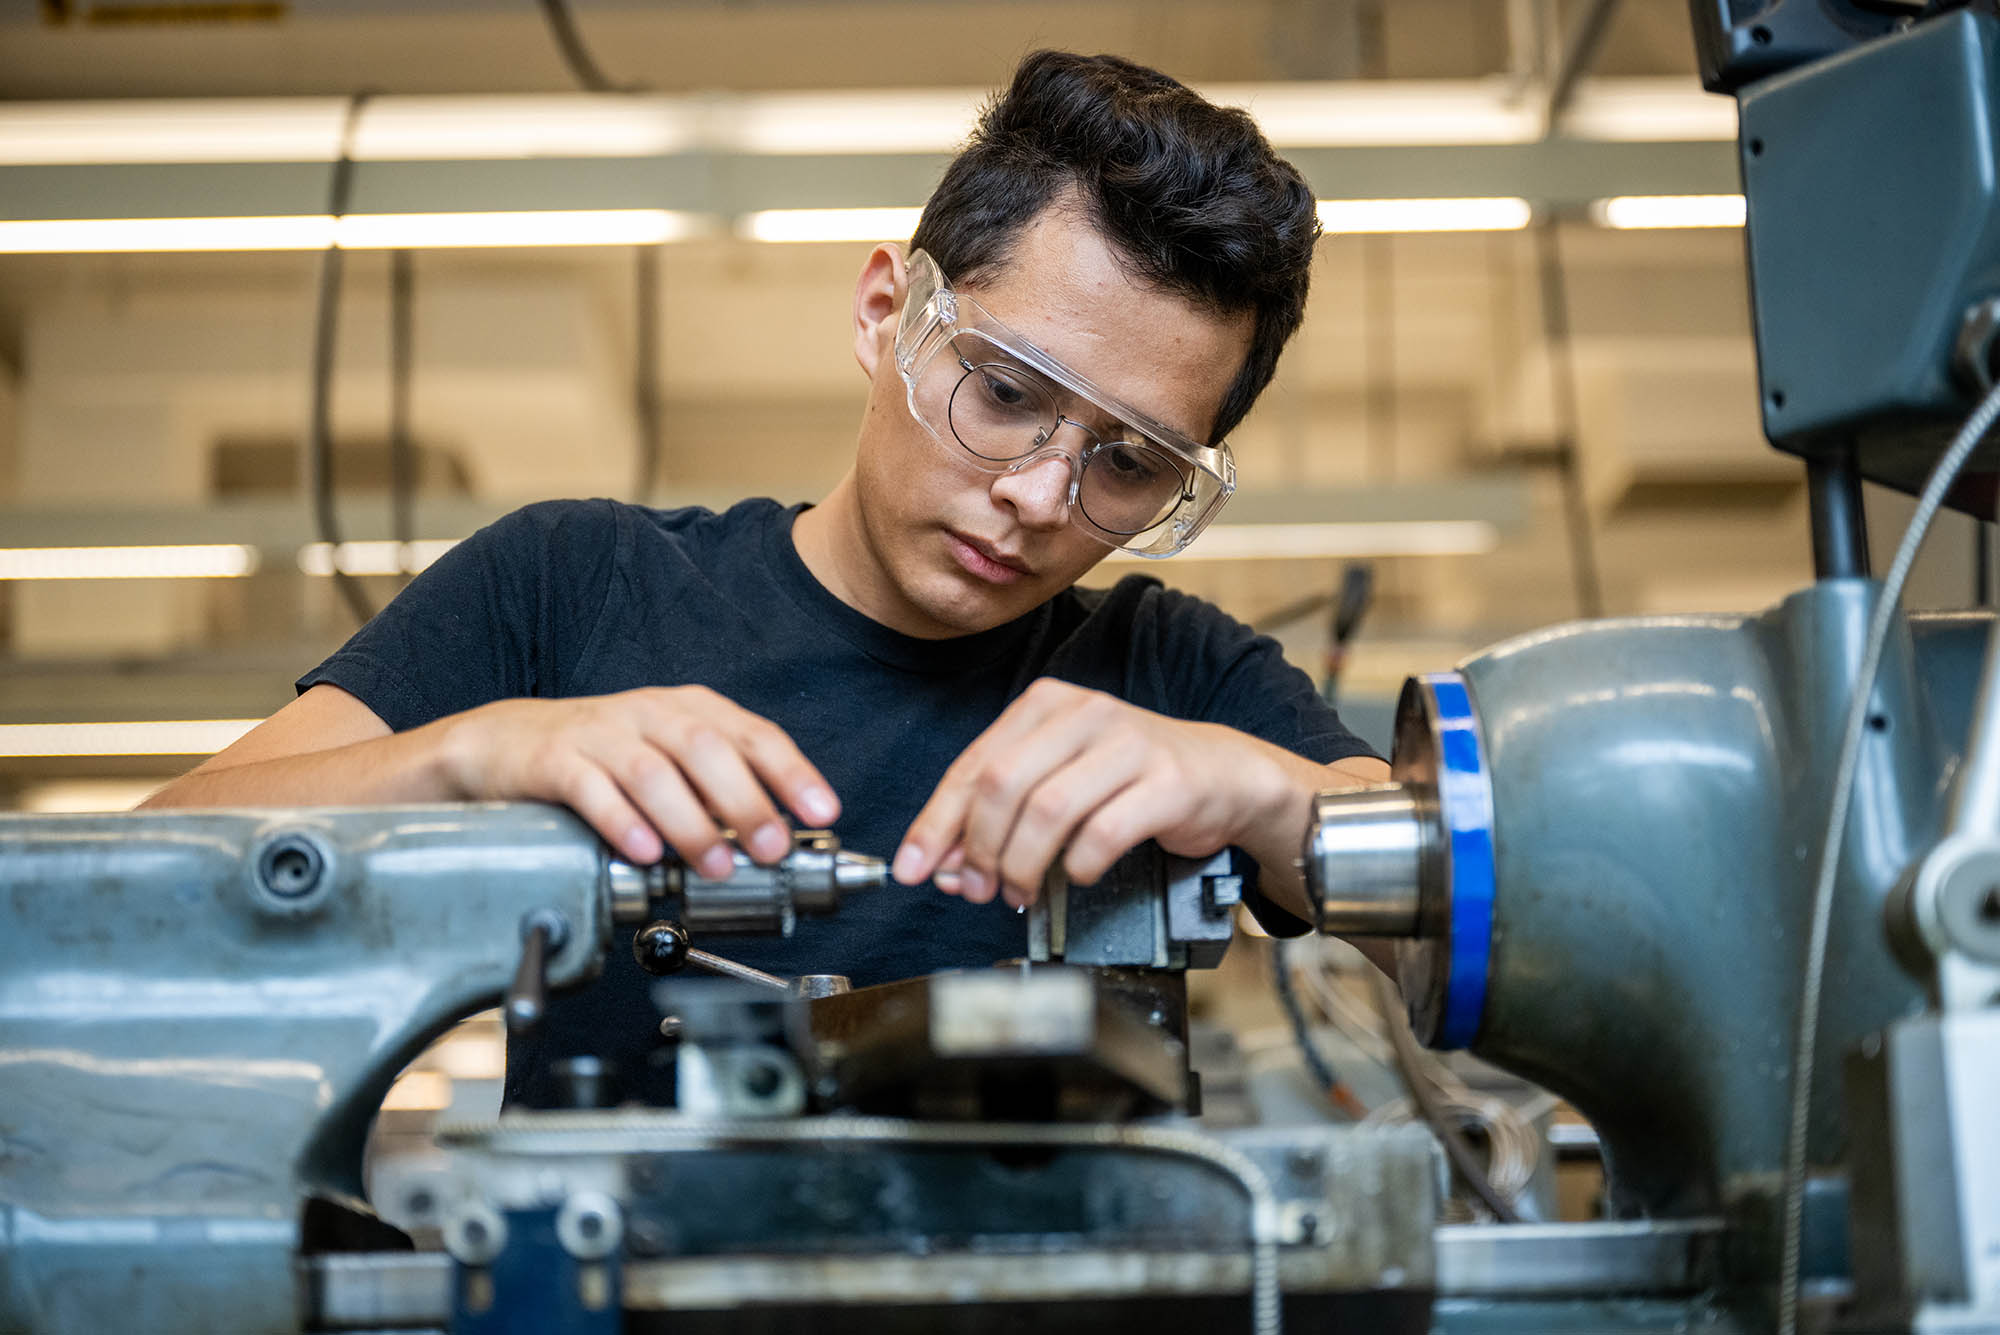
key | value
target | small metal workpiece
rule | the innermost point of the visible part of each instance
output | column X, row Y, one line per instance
column 812, row 878
column 1365, row 860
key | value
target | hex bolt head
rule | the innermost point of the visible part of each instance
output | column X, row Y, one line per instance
column 590, row 1226
column 291, row 866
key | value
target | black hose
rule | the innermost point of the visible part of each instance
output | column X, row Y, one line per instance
column 1338, row 1092
column 585, row 70
column 326, row 329
column 1465, row 1165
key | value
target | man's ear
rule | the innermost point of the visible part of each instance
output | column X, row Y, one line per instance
column 878, row 299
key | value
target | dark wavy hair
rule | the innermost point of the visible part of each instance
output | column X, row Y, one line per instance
column 1188, row 193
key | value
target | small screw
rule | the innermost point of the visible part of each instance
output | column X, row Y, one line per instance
column 762, row 1080
column 646, row 1238
column 670, row 1026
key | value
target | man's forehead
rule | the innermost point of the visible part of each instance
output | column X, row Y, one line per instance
column 1144, row 347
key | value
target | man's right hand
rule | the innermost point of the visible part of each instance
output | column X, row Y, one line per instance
column 672, row 762
column 648, row 769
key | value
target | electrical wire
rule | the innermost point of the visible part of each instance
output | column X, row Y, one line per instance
column 402, row 449
column 646, row 370
column 326, row 329
column 1806, row 1043
column 1562, row 390
column 1337, row 1091
column 590, row 76
column 576, row 55
column 1465, row 1165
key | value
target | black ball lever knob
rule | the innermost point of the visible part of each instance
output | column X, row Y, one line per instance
column 661, row 947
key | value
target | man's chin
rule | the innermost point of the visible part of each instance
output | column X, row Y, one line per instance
column 967, row 606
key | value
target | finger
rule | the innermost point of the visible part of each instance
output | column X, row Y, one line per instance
column 719, row 774
column 937, row 826
column 1057, row 809
column 591, row 793
column 784, row 769
column 656, row 785
column 1003, row 790
column 946, row 877
column 1140, row 812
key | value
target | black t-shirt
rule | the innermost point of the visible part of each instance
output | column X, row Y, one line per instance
column 574, row 598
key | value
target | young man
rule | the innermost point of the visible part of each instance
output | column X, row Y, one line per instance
column 1096, row 294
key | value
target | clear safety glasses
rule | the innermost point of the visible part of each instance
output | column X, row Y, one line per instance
column 977, row 386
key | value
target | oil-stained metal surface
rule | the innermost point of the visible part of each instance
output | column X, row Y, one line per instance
column 200, row 1013
column 847, row 1220
column 1011, row 1043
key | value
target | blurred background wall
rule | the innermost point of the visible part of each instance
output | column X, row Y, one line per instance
column 1509, row 427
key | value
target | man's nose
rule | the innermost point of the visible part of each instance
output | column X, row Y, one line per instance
column 1037, row 490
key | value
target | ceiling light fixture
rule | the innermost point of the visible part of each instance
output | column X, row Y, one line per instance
column 1635, row 212
column 163, row 737
column 203, row 561
column 372, row 558
column 1388, row 113
column 1424, row 215
column 361, row 231
column 881, row 224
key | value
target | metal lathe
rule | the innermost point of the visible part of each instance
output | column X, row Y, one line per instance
column 1730, row 885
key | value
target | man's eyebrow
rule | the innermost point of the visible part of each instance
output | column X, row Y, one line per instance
column 997, row 355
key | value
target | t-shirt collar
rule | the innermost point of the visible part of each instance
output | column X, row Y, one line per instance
column 908, row 652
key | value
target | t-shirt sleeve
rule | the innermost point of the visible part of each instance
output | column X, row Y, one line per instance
column 504, row 614
column 1240, row 679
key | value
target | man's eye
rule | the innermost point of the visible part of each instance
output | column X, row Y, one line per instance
column 1000, row 391
column 1128, row 464
column 1005, row 394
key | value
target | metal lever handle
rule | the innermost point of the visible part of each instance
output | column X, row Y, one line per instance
column 662, row 948
column 728, row 968
column 543, row 933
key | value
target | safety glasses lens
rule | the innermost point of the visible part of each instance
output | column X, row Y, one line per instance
column 1128, row 488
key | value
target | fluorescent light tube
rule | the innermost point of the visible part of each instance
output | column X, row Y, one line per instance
column 1646, row 211
column 861, row 121
column 361, row 231
column 1393, row 113
column 885, row 224
column 1424, row 215
column 553, row 227
column 167, row 737
column 1348, row 113
column 210, row 561
column 372, row 558
column 1655, row 110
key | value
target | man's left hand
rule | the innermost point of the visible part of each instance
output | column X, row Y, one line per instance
column 1077, row 775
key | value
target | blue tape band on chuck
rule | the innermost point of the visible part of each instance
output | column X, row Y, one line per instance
column 1465, row 796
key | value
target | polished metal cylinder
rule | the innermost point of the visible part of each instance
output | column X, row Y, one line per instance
column 1364, row 861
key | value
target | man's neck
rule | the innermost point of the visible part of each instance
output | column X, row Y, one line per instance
column 833, row 543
